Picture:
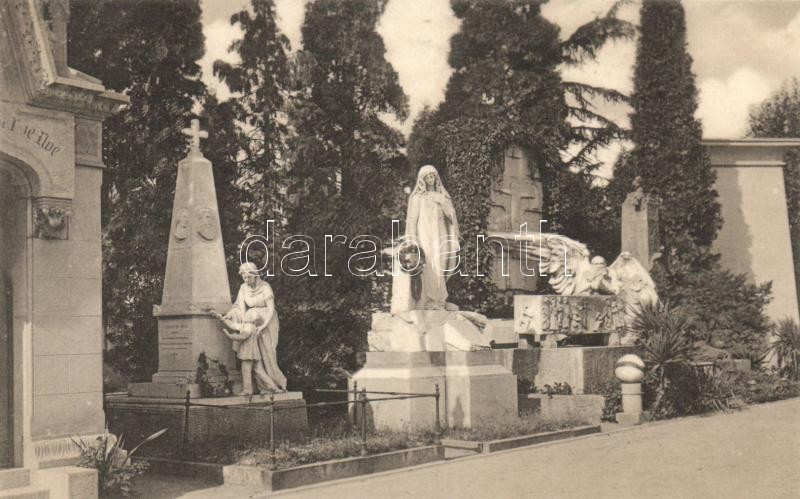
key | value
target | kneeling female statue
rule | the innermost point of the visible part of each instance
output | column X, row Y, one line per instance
column 253, row 325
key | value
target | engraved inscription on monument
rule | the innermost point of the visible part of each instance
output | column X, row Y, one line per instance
column 174, row 344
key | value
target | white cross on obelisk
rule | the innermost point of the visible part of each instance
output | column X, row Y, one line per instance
column 195, row 134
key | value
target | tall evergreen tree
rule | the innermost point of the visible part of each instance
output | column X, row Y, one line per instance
column 779, row 116
column 149, row 50
column 346, row 165
column 668, row 154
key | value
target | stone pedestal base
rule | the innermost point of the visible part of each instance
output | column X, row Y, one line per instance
column 632, row 418
column 631, row 397
column 164, row 390
column 427, row 331
column 584, row 368
column 183, row 336
column 474, row 388
column 229, row 419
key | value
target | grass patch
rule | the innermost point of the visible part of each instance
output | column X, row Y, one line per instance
column 288, row 455
column 526, row 425
column 339, row 441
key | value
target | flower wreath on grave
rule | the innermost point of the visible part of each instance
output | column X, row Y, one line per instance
column 412, row 260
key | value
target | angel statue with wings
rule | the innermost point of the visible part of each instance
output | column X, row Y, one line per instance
column 572, row 270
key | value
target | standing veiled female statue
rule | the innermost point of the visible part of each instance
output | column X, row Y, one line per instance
column 431, row 223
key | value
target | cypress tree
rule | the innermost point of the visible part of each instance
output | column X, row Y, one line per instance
column 669, row 158
column 345, row 168
column 668, row 154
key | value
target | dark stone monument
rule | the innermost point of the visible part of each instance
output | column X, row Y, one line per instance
column 640, row 226
column 515, row 199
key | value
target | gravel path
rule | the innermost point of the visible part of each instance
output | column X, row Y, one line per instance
column 754, row 453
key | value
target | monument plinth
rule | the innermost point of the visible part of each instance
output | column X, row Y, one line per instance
column 195, row 281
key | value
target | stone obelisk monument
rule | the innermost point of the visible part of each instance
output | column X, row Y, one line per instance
column 195, row 281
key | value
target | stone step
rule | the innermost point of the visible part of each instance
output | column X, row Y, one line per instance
column 29, row 492
column 14, row 477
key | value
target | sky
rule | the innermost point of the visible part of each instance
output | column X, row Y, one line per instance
column 742, row 51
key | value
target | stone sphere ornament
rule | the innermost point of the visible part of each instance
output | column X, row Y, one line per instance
column 629, row 369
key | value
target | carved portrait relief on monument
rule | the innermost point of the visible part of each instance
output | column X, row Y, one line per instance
column 182, row 225
column 206, row 224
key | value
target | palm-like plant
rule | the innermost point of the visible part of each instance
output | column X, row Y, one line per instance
column 663, row 332
column 786, row 345
column 113, row 463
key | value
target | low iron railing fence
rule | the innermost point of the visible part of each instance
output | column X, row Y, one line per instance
column 357, row 418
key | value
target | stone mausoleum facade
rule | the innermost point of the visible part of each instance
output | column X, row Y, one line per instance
column 755, row 238
column 51, row 332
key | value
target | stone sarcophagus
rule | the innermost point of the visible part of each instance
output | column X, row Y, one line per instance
column 547, row 319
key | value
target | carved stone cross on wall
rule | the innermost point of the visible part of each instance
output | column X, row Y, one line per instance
column 195, row 134
column 517, row 198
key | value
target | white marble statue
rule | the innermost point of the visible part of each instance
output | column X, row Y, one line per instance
column 255, row 338
column 431, row 223
column 571, row 271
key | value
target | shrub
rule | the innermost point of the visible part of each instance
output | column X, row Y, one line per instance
column 673, row 386
column 612, row 395
column 726, row 308
column 207, row 388
column 786, row 345
column 115, row 469
column 558, row 388
column 317, row 450
column 689, row 391
column 756, row 387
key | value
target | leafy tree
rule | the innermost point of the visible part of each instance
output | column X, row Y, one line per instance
column 235, row 197
column 668, row 154
column 259, row 83
column 506, row 88
column 345, row 170
column 779, row 116
column 149, row 50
